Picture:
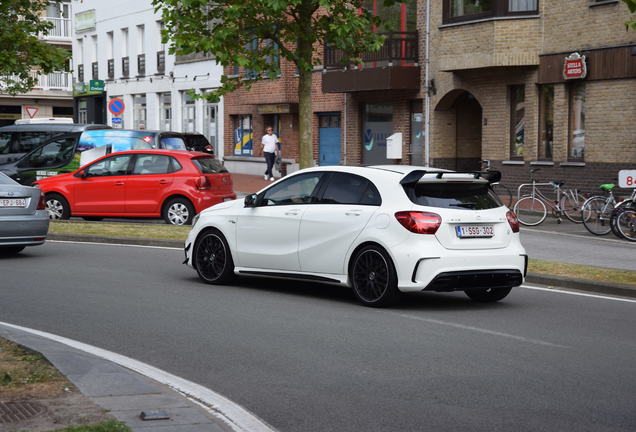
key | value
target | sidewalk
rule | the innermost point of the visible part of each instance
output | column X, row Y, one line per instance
column 245, row 184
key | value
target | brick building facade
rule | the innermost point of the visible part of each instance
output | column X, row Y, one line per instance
column 496, row 89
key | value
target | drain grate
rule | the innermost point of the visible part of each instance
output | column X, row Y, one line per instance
column 13, row 412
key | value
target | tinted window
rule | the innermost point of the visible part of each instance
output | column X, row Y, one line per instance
column 350, row 189
column 21, row 142
column 52, row 154
column 172, row 143
column 459, row 195
column 298, row 189
column 153, row 164
column 209, row 165
column 5, row 142
column 112, row 166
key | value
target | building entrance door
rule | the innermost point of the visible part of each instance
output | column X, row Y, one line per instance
column 329, row 139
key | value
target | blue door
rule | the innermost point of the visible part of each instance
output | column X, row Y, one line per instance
column 329, row 136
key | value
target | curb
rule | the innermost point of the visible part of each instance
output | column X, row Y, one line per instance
column 587, row 285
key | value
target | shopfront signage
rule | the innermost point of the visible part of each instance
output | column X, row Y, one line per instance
column 96, row 85
column 85, row 20
column 574, row 67
column 283, row 108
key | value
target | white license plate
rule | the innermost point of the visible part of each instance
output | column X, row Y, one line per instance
column 464, row 231
column 13, row 202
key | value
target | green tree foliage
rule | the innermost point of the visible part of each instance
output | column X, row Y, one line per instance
column 20, row 49
column 251, row 34
column 631, row 4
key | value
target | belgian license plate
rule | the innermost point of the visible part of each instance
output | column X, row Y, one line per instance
column 13, row 202
column 464, row 231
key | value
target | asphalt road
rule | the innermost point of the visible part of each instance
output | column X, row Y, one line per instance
column 306, row 357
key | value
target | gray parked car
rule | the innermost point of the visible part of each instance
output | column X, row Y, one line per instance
column 24, row 220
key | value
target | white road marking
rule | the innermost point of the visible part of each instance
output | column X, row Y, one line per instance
column 237, row 417
column 481, row 330
column 580, row 236
column 578, row 293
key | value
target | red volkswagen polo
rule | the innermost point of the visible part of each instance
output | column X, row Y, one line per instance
column 172, row 184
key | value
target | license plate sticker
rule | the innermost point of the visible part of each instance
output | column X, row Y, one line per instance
column 13, row 202
column 472, row 231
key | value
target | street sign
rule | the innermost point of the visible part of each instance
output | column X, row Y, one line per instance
column 116, row 120
column 96, row 85
column 31, row 111
column 627, row 179
column 574, row 67
column 116, row 106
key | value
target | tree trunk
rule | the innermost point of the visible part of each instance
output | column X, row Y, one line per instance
column 305, row 112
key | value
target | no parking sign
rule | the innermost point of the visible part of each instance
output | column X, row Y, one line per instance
column 116, row 106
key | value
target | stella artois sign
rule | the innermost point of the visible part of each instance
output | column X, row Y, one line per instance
column 574, row 67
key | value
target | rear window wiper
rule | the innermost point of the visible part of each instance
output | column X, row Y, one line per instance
column 464, row 205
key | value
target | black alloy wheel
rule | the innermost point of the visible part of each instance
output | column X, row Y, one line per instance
column 488, row 295
column 374, row 278
column 212, row 258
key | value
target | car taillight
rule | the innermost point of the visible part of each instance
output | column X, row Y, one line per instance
column 419, row 222
column 513, row 221
column 41, row 202
column 202, row 183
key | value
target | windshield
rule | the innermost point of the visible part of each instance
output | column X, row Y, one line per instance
column 457, row 195
column 173, row 143
column 208, row 165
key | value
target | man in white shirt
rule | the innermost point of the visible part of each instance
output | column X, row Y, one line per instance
column 270, row 143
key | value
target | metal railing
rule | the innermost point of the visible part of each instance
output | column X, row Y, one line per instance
column 56, row 81
column 398, row 48
column 61, row 27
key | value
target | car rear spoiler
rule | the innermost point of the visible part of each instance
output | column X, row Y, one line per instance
column 415, row 176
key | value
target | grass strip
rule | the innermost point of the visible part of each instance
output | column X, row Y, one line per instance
column 107, row 426
column 20, row 367
column 171, row 232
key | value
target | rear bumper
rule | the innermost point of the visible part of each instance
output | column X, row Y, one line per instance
column 24, row 230
column 203, row 201
column 475, row 279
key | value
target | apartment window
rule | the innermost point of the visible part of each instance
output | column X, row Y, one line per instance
column 469, row 10
column 210, row 124
column 80, row 73
column 166, row 111
column 546, row 121
column 139, row 111
column 243, row 137
column 397, row 17
column 576, row 121
column 161, row 51
column 124, row 42
column 517, row 121
column 189, row 113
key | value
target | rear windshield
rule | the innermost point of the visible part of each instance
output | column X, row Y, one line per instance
column 456, row 195
column 173, row 143
column 208, row 165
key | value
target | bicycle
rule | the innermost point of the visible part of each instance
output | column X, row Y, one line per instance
column 499, row 189
column 624, row 220
column 596, row 211
column 627, row 205
column 532, row 209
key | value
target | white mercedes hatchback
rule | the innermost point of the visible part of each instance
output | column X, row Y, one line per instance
column 381, row 230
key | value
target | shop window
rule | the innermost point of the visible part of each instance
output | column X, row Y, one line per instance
column 469, row 10
column 166, row 111
column 576, row 110
column 546, row 121
column 189, row 113
column 243, row 136
column 517, row 121
column 139, row 111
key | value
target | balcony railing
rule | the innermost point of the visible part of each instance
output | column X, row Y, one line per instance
column 141, row 65
column 111, row 69
column 56, row 81
column 61, row 28
column 399, row 48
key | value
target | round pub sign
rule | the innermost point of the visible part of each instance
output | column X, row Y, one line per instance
column 574, row 67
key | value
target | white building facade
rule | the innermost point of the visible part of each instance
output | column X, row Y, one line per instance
column 119, row 42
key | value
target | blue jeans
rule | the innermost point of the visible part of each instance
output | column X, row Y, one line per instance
column 270, row 158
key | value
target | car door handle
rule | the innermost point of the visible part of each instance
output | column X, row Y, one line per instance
column 119, row 183
column 293, row 212
column 353, row 212
column 163, row 182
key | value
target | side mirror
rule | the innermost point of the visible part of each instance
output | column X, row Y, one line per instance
column 250, row 200
column 82, row 174
column 493, row 176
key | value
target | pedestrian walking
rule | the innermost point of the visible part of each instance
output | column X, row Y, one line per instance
column 270, row 143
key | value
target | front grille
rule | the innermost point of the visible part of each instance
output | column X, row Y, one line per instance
column 475, row 279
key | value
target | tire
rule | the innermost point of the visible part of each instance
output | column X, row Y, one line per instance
column 178, row 211
column 57, row 207
column 614, row 216
column 596, row 214
column 626, row 224
column 530, row 211
column 503, row 193
column 488, row 295
column 571, row 204
column 373, row 277
column 92, row 218
column 212, row 258
column 11, row 250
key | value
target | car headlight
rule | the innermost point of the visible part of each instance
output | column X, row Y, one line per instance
column 195, row 219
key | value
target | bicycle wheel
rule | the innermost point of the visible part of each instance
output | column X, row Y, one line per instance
column 503, row 193
column 596, row 212
column 571, row 203
column 627, row 204
column 530, row 211
column 626, row 224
